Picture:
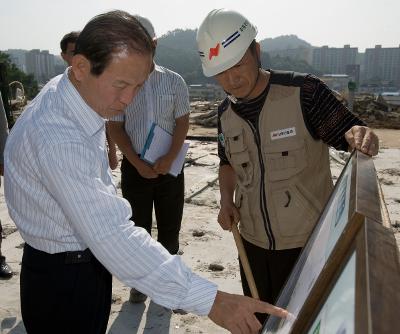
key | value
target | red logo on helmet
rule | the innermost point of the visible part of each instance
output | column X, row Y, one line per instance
column 214, row 52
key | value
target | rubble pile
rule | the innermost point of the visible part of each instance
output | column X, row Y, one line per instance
column 204, row 113
column 376, row 114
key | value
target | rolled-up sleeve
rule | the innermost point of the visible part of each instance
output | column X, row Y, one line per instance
column 182, row 106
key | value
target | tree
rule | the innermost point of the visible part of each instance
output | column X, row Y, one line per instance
column 15, row 74
column 289, row 64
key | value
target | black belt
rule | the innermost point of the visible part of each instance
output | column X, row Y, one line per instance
column 32, row 254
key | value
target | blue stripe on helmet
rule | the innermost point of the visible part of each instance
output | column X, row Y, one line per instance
column 233, row 36
column 232, row 40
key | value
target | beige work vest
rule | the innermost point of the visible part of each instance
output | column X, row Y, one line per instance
column 283, row 177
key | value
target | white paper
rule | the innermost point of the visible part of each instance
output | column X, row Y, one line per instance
column 158, row 144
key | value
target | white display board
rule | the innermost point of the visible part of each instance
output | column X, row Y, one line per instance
column 337, row 315
column 331, row 224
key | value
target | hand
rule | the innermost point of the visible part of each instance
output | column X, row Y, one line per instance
column 228, row 215
column 112, row 159
column 145, row 170
column 363, row 139
column 112, row 149
column 236, row 313
column 163, row 164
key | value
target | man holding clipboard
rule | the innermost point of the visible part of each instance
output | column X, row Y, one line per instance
column 163, row 101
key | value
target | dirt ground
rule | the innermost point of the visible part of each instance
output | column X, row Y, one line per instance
column 388, row 138
column 202, row 242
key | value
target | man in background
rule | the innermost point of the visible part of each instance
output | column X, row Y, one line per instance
column 5, row 270
column 164, row 101
column 67, row 46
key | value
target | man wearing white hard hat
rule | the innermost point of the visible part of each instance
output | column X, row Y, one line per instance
column 274, row 129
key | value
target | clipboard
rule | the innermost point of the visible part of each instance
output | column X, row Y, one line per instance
column 157, row 144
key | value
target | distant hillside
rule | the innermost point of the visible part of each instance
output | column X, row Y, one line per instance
column 177, row 50
column 283, row 43
column 179, row 39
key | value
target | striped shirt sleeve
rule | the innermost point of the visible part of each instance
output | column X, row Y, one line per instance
column 325, row 116
column 181, row 98
column 101, row 219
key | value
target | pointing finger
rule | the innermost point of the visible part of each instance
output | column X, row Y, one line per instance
column 263, row 307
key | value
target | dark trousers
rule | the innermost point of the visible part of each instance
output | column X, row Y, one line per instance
column 1, row 237
column 166, row 192
column 271, row 269
column 64, row 293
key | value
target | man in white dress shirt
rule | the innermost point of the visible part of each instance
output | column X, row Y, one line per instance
column 60, row 194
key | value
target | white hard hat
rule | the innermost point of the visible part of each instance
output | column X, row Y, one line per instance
column 222, row 39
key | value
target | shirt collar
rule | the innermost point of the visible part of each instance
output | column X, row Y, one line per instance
column 157, row 69
column 90, row 120
column 154, row 73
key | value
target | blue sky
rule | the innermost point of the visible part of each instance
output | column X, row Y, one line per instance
column 40, row 24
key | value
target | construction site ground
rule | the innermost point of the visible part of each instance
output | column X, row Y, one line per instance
column 202, row 241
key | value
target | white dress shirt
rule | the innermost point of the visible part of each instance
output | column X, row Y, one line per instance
column 60, row 194
column 163, row 98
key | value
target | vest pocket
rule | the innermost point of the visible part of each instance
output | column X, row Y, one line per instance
column 239, row 157
column 285, row 159
column 243, row 167
column 246, row 224
column 295, row 211
column 235, row 140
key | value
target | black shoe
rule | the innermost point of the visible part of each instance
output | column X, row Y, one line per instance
column 5, row 270
column 136, row 296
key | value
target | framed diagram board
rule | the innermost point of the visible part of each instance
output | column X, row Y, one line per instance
column 332, row 261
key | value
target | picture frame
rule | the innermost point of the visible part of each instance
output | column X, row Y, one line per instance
column 354, row 202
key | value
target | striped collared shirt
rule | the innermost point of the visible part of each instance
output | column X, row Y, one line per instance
column 163, row 98
column 60, row 194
